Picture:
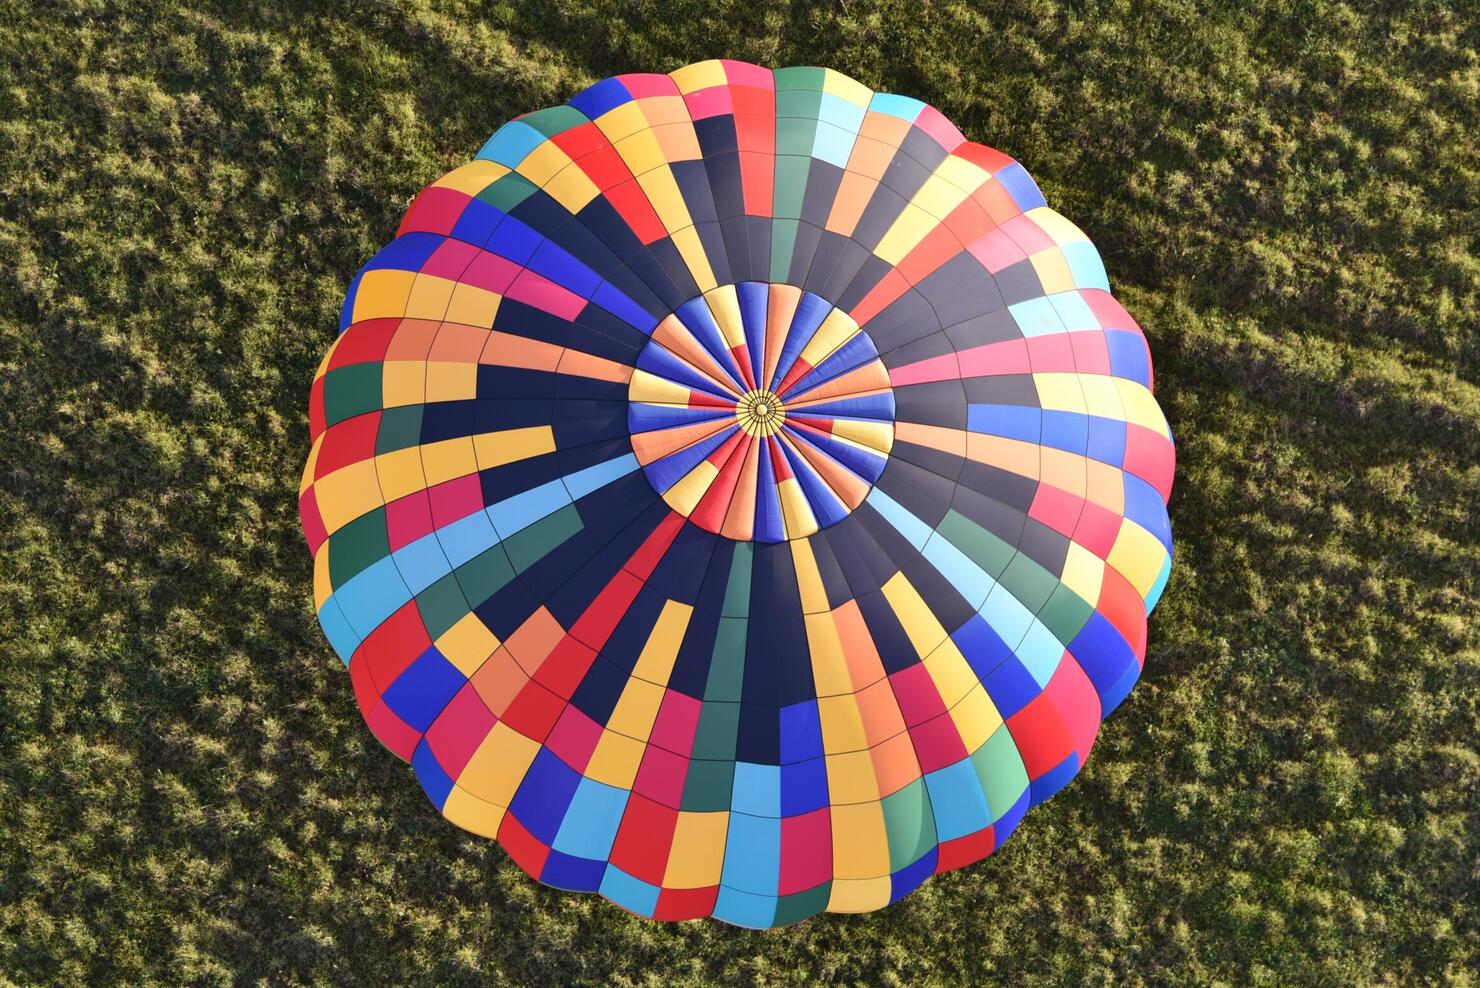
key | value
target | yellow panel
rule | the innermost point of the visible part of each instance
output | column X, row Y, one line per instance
column 847, row 88
column 915, row 616
column 1061, row 392
column 472, row 178
column 494, row 449
column 1138, row 556
column 700, row 75
column 1083, row 574
column 429, row 297
column 382, row 294
column 689, row 246
column 400, row 473
column 1053, row 271
column 1063, row 469
column 1050, row 222
column 572, row 188
column 467, row 644
column 543, row 163
column 838, row 328
column 877, row 436
column 346, row 494
column 666, row 199
column 636, row 709
column 697, row 855
column 796, row 513
column 1101, row 396
column 448, row 460
column 403, row 382
column 643, row 154
column 851, row 778
column 809, row 581
column 322, row 588
column 842, row 725
column 1012, row 455
column 663, row 110
column 615, row 760
column 678, row 141
column 683, row 495
column 829, row 667
column 908, row 230
column 622, row 121
column 1105, row 486
column 858, row 895
column 950, row 672
column 494, row 772
column 473, row 814
column 976, row 718
column 655, row 664
column 451, row 381
column 654, row 390
column 962, row 174
column 724, row 304
column 305, row 479
column 472, row 306
column 1140, row 407
column 859, row 842
column 939, row 196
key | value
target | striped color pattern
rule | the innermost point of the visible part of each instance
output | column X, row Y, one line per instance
column 737, row 494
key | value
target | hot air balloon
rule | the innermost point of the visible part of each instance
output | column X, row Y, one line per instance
column 738, row 494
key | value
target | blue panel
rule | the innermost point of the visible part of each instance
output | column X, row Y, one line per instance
column 544, row 795
column 804, row 787
column 903, row 107
column 341, row 636
column 984, row 649
column 565, row 871
column 1021, row 422
column 407, row 252
column 752, row 854
column 757, row 789
column 1144, row 506
column 429, row 773
column 517, row 513
column 909, row 878
column 1107, row 440
column 1011, row 688
column 1065, row 430
column 1102, row 653
column 1054, row 779
column 421, row 692
column 608, row 94
column 590, row 825
column 422, row 563
column 372, row 595
column 511, row 144
column 1075, row 312
column 801, row 732
column 593, row 478
column 1085, row 265
column 957, row 800
column 467, row 537
column 1020, row 185
column 1128, row 356
column 630, row 893
column 756, row 912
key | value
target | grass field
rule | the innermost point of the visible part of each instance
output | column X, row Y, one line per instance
column 1286, row 195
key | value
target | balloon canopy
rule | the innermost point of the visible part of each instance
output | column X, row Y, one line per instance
column 738, row 494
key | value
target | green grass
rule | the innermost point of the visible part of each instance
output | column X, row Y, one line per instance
column 1286, row 197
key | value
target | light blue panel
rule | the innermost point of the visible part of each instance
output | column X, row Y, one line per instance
column 511, row 144
column 1161, row 584
column 583, row 482
column 1036, row 317
column 840, row 113
column 1074, row 312
column 591, row 822
column 969, row 579
column 423, row 562
column 1085, row 265
column 833, row 144
column 373, row 595
column 1006, row 614
column 1040, row 652
column 905, row 523
column 517, row 513
column 752, row 854
column 338, row 631
column 757, row 912
column 903, row 107
column 957, row 800
column 757, row 789
column 628, row 892
column 467, row 537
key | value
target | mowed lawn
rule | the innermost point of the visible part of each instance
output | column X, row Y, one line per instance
column 1287, row 197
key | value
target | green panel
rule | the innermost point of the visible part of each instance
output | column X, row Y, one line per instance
column 485, row 575
column 709, row 786
column 910, row 825
column 791, row 185
column 737, row 591
column 985, row 549
column 1065, row 614
column 795, row 136
column 400, row 428
column 801, row 905
column 783, row 242
column 1000, row 768
column 357, row 545
column 442, row 605
column 727, row 667
column 529, row 546
column 351, row 391
column 1029, row 582
column 805, row 104
column 714, row 737
column 554, row 120
column 508, row 192
column 799, row 77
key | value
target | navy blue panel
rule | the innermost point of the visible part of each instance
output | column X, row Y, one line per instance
column 894, row 647
column 448, row 420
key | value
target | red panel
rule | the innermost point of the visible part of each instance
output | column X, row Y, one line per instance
column 937, row 743
column 1149, row 456
column 313, row 523
column 435, row 210
column 533, row 711
column 965, row 850
column 525, row 848
column 661, row 776
column 581, row 140
column 806, row 851
column 1097, row 528
column 347, row 442
column 644, row 839
column 1058, row 509
column 1078, row 704
column 458, row 730
column 595, row 626
column 631, row 203
column 677, row 904
column 565, row 667
column 408, row 519
column 574, row 738
column 365, row 342
column 1124, row 607
column 399, row 641
column 918, row 698
column 454, row 499
column 1040, row 736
